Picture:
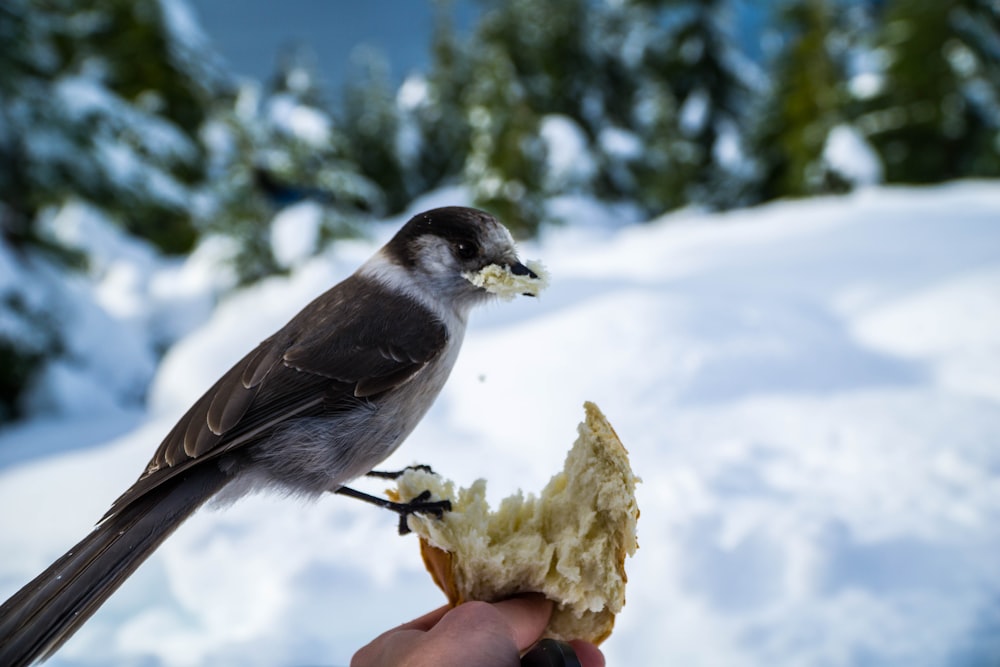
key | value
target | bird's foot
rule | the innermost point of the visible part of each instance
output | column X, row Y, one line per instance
column 420, row 504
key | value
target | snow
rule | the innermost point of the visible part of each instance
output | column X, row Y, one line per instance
column 810, row 391
column 298, row 120
column 848, row 154
column 866, row 85
column 120, row 264
column 105, row 363
column 80, row 97
column 570, row 164
column 620, row 143
column 129, row 151
column 183, row 25
column 695, row 112
column 101, row 327
column 190, row 48
column 295, row 232
column 413, row 93
column 728, row 150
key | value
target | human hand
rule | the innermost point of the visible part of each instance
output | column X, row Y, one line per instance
column 480, row 633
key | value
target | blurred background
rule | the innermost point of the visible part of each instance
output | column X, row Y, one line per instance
column 177, row 122
column 790, row 208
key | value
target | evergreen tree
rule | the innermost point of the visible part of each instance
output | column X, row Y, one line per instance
column 371, row 125
column 244, row 192
column 439, row 116
column 807, row 100
column 937, row 115
column 27, row 61
column 547, row 44
column 643, row 154
column 506, row 165
column 102, row 103
column 296, row 74
column 620, row 35
column 277, row 148
column 695, row 52
column 976, row 59
column 669, row 161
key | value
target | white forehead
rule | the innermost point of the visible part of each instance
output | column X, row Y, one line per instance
column 497, row 238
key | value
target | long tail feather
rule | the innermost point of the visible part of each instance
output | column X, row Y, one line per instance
column 40, row 617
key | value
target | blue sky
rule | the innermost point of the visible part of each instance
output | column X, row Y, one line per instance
column 251, row 33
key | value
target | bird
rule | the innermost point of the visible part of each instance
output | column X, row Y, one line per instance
column 320, row 402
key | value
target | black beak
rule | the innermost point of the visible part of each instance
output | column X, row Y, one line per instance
column 519, row 269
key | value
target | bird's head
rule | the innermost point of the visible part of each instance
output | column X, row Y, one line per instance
column 443, row 249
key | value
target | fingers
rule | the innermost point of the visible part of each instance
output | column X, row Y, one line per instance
column 526, row 616
column 490, row 635
column 589, row 655
column 385, row 649
column 425, row 622
column 516, row 623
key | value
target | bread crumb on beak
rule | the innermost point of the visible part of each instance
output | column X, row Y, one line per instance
column 500, row 280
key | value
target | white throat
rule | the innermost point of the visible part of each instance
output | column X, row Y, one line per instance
column 398, row 279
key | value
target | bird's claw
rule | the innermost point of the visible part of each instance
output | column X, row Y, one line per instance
column 422, row 505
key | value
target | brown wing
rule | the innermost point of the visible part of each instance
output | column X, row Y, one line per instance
column 355, row 341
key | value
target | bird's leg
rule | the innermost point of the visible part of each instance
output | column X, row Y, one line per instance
column 419, row 504
column 396, row 474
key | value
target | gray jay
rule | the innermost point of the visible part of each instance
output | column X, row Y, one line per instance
column 320, row 402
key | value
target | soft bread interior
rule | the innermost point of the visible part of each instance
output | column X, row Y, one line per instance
column 569, row 542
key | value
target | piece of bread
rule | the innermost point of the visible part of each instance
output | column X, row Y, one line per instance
column 568, row 543
column 500, row 280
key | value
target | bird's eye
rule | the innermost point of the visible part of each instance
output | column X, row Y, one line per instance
column 466, row 250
